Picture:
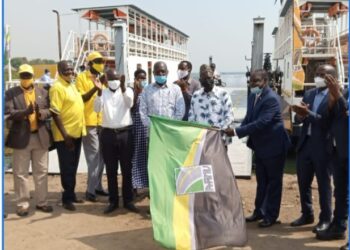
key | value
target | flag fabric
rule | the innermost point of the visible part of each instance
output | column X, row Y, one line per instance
column 195, row 202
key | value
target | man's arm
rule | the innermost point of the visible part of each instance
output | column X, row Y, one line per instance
column 179, row 104
column 144, row 109
column 44, row 111
column 227, row 111
column 87, row 95
column 265, row 119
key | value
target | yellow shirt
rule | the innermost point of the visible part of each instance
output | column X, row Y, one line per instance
column 84, row 84
column 29, row 97
column 66, row 101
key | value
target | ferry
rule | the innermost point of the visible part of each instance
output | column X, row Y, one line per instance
column 309, row 33
column 129, row 38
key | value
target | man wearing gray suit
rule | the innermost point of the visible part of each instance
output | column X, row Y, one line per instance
column 27, row 107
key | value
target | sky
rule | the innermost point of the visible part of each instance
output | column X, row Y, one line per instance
column 222, row 28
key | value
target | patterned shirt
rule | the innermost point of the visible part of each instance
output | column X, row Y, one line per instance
column 164, row 100
column 213, row 108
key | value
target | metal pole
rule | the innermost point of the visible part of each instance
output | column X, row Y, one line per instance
column 59, row 34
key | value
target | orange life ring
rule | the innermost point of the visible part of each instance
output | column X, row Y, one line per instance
column 311, row 37
column 100, row 42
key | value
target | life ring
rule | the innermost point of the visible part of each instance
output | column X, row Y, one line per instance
column 311, row 37
column 100, row 42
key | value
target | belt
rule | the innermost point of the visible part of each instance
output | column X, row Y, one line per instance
column 119, row 130
column 34, row 132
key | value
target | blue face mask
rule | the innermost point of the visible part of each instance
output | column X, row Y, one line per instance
column 160, row 79
column 144, row 84
column 255, row 90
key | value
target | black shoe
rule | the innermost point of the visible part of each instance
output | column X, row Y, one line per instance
column 131, row 207
column 45, row 208
column 333, row 232
column 22, row 211
column 266, row 223
column 90, row 197
column 303, row 220
column 69, row 206
column 345, row 247
column 111, row 207
column 101, row 192
column 76, row 200
column 321, row 226
column 254, row 217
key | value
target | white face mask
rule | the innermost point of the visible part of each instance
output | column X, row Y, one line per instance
column 182, row 73
column 320, row 82
column 114, row 84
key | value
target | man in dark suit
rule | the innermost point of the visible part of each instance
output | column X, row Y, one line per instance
column 270, row 142
column 339, row 111
column 313, row 156
column 27, row 108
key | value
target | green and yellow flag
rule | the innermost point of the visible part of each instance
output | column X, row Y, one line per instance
column 195, row 202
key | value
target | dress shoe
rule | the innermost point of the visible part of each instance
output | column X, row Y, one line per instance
column 101, row 193
column 254, row 217
column 22, row 211
column 303, row 220
column 131, row 207
column 266, row 223
column 76, row 200
column 333, row 232
column 321, row 226
column 45, row 208
column 345, row 247
column 111, row 207
column 90, row 197
column 69, row 206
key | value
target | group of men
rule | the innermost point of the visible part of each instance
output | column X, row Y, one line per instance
column 95, row 110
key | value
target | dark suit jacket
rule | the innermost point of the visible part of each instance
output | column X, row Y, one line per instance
column 340, row 125
column 320, row 123
column 19, row 133
column 264, row 126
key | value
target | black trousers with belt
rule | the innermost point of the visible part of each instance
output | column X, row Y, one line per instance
column 68, row 162
column 313, row 161
column 116, row 145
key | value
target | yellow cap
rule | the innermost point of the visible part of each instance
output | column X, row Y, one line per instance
column 93, row 55
column 26, row 68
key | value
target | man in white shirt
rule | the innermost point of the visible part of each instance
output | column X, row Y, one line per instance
column 115, row 103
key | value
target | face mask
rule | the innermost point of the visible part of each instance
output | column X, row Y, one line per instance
column 99, row 67
column 207, row 84
column 160, row 79
column 144, row 84
column 25, row 83
column 182, row 74
column 255, row 90
column 114, row 84
column 320, row 82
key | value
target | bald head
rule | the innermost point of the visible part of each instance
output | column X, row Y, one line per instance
column 325, row 69
column 159, row 65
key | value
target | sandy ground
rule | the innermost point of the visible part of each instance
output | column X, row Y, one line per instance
column 89, row 228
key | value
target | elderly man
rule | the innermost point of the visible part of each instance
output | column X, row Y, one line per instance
column 161, row 98
column 115, row 103
column 339, row 112
column 211, row 104
column 270, row 142
column 313, row 156
column 88, row 84
column 68, row 127
column 28, row 109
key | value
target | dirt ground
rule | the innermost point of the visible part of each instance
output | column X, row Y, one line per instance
column 89, row 228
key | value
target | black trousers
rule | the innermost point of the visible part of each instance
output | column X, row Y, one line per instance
column 340, row 178
column 310, row 161
column 68, row 162
column 117, row 148
column 269, row 177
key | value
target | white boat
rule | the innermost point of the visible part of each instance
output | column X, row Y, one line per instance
column 309, row 33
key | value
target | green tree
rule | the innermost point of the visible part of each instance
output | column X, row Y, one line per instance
column 17, row 61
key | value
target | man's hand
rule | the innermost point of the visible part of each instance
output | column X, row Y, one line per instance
column 30, row 109
column 37, row 110
column 98, row 84
column 333, row 86
column 182, row 84
column 69, row 141
column 122, row 84
column 302, row 109
column 230, row 132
